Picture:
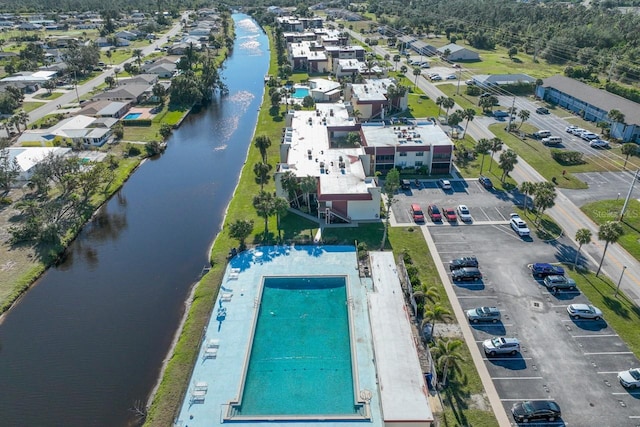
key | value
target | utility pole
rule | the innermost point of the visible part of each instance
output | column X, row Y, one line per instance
column 75, row 81
column 613, row 64
column 626, row 201
column 513, row 105
column 458, row 89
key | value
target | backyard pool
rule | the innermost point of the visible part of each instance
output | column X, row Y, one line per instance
column 132, row 116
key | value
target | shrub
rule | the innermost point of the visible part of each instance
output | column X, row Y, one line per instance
column 5, row 201
column 473, row 90
column 567, row 157
column 137, row 122
column 133, row 150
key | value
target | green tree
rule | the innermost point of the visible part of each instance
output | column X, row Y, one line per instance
column 403, row 69
column 240, row 229
column 110, row 81
column 627, row 150
column 544, row 197
column 496, row 145
column 433, row 314
column 264, row 204
column 455, row 118
column 439, row 102
column 308, row 102
column 523, row 115
column 389, row 190
column 289, row 182
column 262, row 143
column 513, row 51
column 468, row 115
column 165, row 130
column 447, row 356
column 137, row 54
column 261, row 170
column 9, row 169
column 508, row 161
column 610, row 232
column 583, row 237
column 50, row 85
column 416, row 72
column 448, row 104
column 396, row 59
column 482, row 147
column 308, row 185
column 527, row 189
column 280, row 208
column 616, row 116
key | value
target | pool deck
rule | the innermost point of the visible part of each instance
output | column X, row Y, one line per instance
column 218, row 372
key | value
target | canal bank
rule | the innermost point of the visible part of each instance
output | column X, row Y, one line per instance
column 87, row 342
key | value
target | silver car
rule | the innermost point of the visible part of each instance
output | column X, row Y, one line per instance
column 501, row 345
column 584, row 311
column 484, row 314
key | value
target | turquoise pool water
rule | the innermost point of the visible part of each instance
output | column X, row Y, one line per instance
column 300, row 361
column 300, row 92
column 132, row 116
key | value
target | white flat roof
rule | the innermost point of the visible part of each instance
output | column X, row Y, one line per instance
column 403, row 391
column 309, row 132
column 378, row 135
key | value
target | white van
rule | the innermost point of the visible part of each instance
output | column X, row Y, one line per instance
column 542, row 134
column 552, row 140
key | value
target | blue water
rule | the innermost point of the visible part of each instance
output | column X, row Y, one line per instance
column 300, row 92
column 300, row 360
column 132, row 116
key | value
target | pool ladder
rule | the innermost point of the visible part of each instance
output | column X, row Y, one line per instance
column 350, row 302
column 256, row 302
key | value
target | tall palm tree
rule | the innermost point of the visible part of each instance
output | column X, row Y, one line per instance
column 264, row 203
column 280, row 206
column 431, row 294
column 468, row 114
column 482, row 147
column 496, row 145
column 508, row 161
column 261, row 170
column 439, row 102
column 289, row 182
column 448, row 104
column 447, row 355
column 583, row 237
column 396, row 59
column 416, row 72
column 523, row 115
column 527, row 189
column 308, row 185
column 137, row 53
column 628, row 149
column 610, row 232
column 240, row 230
column 435, row 313
column 263, row 143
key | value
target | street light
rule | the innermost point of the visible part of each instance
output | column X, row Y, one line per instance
column 626, row 201
column 624, row 267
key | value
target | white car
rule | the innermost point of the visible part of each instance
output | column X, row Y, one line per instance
column 630, row 378
column 570, row 129
column 436, row 77
column 452, row 77
column 463, row 213
column 599, row 143
column 445, row 184
column 577, row 131
column 588, row 136
column 519, row 226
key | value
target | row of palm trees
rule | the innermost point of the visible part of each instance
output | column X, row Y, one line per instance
column 15, row 121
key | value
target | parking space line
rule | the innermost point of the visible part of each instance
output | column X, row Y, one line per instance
column 516, row 378
column 623, row 393
column 485, row 214
column 500, row 213
column 507, row 358
column 634, row 416
column 477, row 296
column 595, row 336
column 534, row 398
column 558, row 305
column 607, row 372
column 608, row 352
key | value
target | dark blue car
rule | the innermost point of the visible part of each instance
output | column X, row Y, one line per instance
column 543, row 269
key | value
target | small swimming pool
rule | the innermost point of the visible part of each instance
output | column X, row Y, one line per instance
column 300, row 92
column 301, row 360
column 132, row 116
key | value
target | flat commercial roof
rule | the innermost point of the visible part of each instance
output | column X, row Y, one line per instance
column 380, row 135
column 403, row 391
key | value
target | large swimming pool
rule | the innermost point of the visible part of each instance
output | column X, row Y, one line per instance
column 301, row 361
column 132, row 116
column 300, row 92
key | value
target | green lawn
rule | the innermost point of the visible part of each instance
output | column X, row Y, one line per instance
column 30, row 106
column 49, row 96
column 473, row 168
column 609, row 210
column 463, row 100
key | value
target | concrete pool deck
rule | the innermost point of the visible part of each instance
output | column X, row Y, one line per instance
column 218, row 372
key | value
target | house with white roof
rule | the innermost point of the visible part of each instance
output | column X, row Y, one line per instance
column 372, row 99
column 324, row 90
column 28, row 158
column 89, row 131
column 311, row 147
column 309, row 56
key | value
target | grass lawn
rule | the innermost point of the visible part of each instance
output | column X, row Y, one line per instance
column 463, row 100
column 609, row 210
column 30, row 106
column 539, row 157
column 545, row 229
column 49, row 96
column 473, row 168
column 619, row 312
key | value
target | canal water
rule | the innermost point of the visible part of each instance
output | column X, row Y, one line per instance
column 88, row 340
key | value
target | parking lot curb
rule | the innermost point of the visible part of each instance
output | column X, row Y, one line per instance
column 483, row 372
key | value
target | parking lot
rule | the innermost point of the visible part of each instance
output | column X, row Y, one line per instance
column 574, row 362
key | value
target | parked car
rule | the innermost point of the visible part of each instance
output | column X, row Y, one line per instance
column 463, row 213
column 434, row 213
column 543, row 269
column 450, row 214
column 584, row 311
column 405, row 184
column 570, row 128
column 500, row 114
column 470, row 82
column 416, row 212
column 484, row 95
column 466, row 273
column 533, row 410
column 436, row 77
column 555, row 282
column 552, row 140
column 501, row 345
column 630, row 378
column 599, row 143
column 542, row 110
column 577, row 131
column 484, row 314
column 452, row 77
column 542, row 134
column 518, row 225
column 424, row 65
column 467, row 261
column 445, row 184
column 485, row 182
column 588, row 136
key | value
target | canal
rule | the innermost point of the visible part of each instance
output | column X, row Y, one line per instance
column 88, row 340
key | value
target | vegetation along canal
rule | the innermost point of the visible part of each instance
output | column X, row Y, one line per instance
column 89, row 339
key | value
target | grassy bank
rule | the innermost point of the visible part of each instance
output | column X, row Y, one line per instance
column 609, row 210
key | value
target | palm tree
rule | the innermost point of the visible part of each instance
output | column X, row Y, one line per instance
column 439, row 102
column 396, row 59
column 22, row 118
column 416, row 72
column 447, row 355
column 628, row 149
column 289, row 182
column 391, row 185
column 261, row 170
column 137, row 53
column 436, row 313
column 545, row 196
column 523, row 115
column 308, row 185
column 583, row 237
column 616, row 116
column 508, row 160
column 240, row 230
column 262, row 143
column 280, row 206
column 482, row 147
column 264, row 203
column 403, row 69
column 431, row 294
column 468, row 114
column 448, row 104
column 527, row 189
column 496, row 145
column 610, row 232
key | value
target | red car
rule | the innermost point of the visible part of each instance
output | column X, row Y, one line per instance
column 434, row 213
column 450, row 214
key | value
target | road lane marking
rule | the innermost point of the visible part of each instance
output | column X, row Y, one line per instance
column 607, row 353
column 607, row 372
column 516, row 378
column 595, row 335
